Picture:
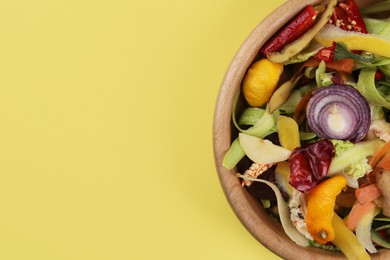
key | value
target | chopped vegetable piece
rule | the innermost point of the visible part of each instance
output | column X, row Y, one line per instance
column 288, row 132
column 233, row 155
column 367, row 193
column 326, row 54
column 339, row 112
column 320, row 208
column 379, row 154
column 310, row 164
column 292, row 31
column 384, row 163
column 357, row 213
column 346, row 240
column 262, row 151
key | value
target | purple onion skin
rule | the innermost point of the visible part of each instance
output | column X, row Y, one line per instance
column 346, row 99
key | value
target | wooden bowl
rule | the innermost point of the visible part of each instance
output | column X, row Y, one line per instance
column 256, row 220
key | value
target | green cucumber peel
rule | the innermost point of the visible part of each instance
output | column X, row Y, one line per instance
column 251, row 116
column 233, row 155
column 305, row 136
column 382, row 227
column 262, row 127
column 366, row 86
column 291, row 103
column 379, row 240
column 376, row 8
column 384, row 219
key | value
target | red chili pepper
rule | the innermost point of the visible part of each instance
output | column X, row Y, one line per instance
column 347, row 16
column 326, row 54
column 379, row 75
column 292, row 31
column 310, row 164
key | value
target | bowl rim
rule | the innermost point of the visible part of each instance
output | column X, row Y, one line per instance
column 254, row 218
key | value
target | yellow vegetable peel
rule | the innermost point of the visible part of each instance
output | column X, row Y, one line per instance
column 354, row 40
column 320, row 208
column 346, row 241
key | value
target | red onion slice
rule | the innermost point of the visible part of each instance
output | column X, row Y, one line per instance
column 339, row 112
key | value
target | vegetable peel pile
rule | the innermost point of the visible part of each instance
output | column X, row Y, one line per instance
column 313, row 142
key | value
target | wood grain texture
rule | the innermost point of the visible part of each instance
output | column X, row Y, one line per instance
column 265, row 229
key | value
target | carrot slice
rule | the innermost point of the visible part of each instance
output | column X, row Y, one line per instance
column 367, row 193
column 357, row 212
column 384, row 163
column 379, row 154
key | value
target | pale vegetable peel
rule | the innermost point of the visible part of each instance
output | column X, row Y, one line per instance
column 346, row 240
column 284, row 213
column 363, row 230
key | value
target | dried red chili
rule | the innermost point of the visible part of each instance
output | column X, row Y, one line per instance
column 310, row 164
column 292, row 31
column 347, row 16
column 326, row 54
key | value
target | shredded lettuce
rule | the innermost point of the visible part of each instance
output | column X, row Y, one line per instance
column 357, row 167
column 341, row 146
column 352, row 162
column 233, row 155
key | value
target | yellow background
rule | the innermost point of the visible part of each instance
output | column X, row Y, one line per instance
column 106, row 112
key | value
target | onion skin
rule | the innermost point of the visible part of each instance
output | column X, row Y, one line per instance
column 339, row 112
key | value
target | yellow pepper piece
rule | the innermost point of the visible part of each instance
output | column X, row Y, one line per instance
column 260, row 82
column 346, row 240
column 288, row 133
column 282, row 177
column 320, row 208
column 354, row 40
